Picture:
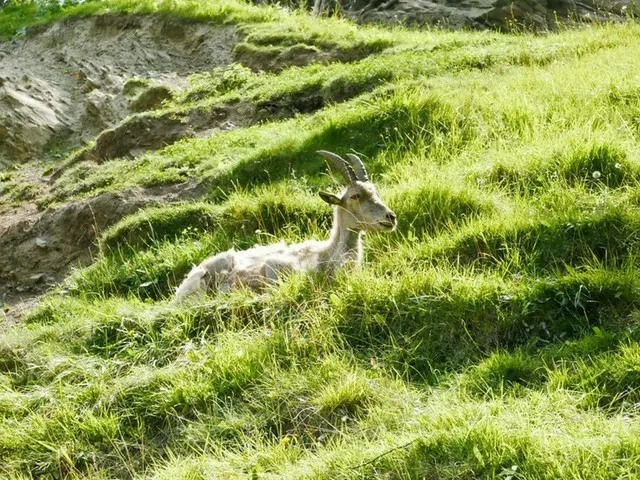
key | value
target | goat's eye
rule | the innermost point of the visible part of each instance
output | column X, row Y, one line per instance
column 355, row 196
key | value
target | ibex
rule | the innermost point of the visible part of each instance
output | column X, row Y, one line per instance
column 357, row 209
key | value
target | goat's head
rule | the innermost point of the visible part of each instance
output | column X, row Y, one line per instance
column 365, row 208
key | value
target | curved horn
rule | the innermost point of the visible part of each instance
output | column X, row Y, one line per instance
column 341, row 164
column 358, row 166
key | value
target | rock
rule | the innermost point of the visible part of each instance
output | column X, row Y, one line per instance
column 137, row 133
column 96, row 100
column 26, row 121
column 90, row 85
column 478, row 13
column 42, row 242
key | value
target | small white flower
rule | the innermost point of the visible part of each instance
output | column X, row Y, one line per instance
column 596, row 174
column 618, row 165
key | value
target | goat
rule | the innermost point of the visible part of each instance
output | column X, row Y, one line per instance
column 357, row 209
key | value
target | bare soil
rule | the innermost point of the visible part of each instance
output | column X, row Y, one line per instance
column 63, row 84
column 37, row 249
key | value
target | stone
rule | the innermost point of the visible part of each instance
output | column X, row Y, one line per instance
column 476, row 13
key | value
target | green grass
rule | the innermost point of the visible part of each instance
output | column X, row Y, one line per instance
column 493, row 335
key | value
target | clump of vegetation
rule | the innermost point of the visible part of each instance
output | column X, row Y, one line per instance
column 151, row 99
column 219, row 82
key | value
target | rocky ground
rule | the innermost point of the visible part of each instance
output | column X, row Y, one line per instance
column 65, row 83
column 501, row 14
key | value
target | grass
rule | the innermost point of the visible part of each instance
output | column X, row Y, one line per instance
column 493, row 335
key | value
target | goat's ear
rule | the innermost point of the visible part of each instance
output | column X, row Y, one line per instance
column 330, row 198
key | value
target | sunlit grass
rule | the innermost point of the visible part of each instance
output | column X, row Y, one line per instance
column 493, row 335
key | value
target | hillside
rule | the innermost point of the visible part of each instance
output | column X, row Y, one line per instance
column 494, row 334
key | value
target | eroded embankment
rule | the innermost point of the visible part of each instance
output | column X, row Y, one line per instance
column 37, row 250
column 60, row 86
column 65, row 83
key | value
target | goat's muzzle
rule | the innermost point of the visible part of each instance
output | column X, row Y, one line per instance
column 390, row 221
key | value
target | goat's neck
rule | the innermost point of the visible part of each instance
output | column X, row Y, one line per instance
column 345, row 242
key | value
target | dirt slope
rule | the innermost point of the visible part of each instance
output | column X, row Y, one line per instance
column 63, row 84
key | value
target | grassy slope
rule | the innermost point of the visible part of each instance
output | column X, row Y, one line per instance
column 494, row 335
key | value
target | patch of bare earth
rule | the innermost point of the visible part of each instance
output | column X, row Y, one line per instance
column 64, row 84
column 37, row 249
